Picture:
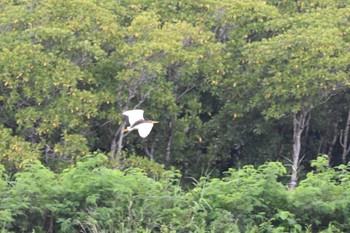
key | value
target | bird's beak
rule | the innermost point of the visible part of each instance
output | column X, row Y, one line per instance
column 126, row 130
column 154, row 122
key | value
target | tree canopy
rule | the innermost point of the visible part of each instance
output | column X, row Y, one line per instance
column 234, row 84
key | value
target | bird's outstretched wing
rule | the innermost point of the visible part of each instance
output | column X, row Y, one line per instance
column 134, row 115
column 144, row 129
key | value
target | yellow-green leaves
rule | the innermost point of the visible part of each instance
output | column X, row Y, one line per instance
column 295, row 64
column 15, row 151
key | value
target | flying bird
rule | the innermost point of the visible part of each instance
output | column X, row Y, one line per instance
column 137, row 122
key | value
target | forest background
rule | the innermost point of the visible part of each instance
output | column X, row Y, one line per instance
column 248, row 95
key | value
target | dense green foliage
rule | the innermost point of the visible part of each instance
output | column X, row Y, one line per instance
column 91, row 197
column 233, row 83
column 225, row 79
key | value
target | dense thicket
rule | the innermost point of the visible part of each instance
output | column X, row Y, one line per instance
column 90, row 197
column 231, row 82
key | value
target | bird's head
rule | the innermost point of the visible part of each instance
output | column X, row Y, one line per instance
column 127, row 129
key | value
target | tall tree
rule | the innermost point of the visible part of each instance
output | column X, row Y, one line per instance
column 297, row 70
column 165, row 62
column 47, row 52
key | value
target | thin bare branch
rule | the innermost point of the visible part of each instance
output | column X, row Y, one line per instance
column 185, row 91
column 145, row 96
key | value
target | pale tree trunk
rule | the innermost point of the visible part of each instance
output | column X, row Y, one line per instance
column 344, row 138
column 170, row 141
column 321, row 145
column 300, row 120
column 117, row 142
column 333, row 142
column 150, row 150
column 121, row 136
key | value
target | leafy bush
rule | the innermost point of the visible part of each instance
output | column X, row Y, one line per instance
column 250, row 196
column 92, row 197
column 322, row 199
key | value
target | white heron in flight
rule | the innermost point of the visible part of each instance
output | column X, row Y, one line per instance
column 137, row 122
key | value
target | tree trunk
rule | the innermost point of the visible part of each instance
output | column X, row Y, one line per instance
column 344, row 140
column 333, row 142
column 170, row 141
column 150, row 150
column 121, row 137
column 300, row 120
column 321, row 146
column 116, row 146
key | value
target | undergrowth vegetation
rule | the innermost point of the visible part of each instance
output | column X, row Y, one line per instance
column 94, row 197
column 232, row 83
